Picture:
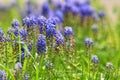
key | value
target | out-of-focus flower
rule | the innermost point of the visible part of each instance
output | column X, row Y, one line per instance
column 27, row 77
column 49, row 65
column 101, row 14
column 95, row 28
column 58, row 5
column 59, row 15
column 41, row 44
column 95, row 59
column 88, row 42
column 2, row 75
column 2, row 37
column 86, row 10
column 75, row 10
column 45, row 9
column 29, row 7
column 68, row 31
column 66, row 8
column 18, row 66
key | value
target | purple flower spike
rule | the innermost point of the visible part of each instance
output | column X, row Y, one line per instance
column 59, row 38
column 41, row 44
column 15, row 23
column 50, row 30
column 26, row 21
column 23, row 32
column 41, row 22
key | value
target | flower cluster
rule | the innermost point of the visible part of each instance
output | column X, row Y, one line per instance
column 41, row 44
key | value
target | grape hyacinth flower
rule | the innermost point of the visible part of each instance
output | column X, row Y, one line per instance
column 52, row 20
column 69, row 40
column 26, row 21
column 2, row 75
column 15, row 23
column 23, row 33
column 29, row 21
column 59, row 15
column 59, row 38
column 66, row 8
column 15, row 27
column 68, row 31
column 94, row 59
column 28, row 7
column 50, row 30
column 88, row 42
column 75, row 10
column 41, row 23
column 2, row 38
column 86, row 11
column 45, row 9
column 58, row 5
column 41, row 44
column 101, row 14
column 33, row 20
